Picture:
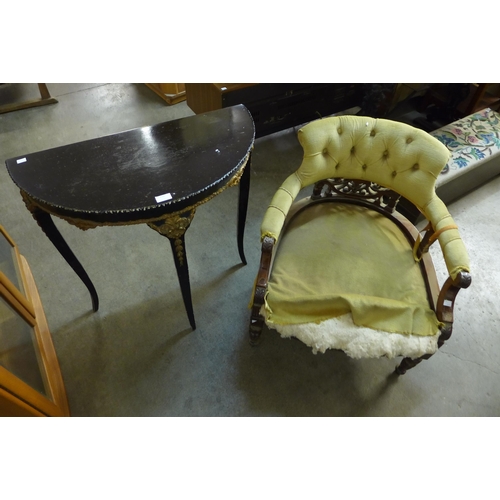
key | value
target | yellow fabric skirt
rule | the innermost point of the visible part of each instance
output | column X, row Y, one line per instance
column 338, row 258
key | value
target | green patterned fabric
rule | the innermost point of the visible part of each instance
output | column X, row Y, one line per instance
column 470, row 140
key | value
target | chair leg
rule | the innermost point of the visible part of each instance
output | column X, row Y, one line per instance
column 256, row 326
column 408, row 363
column 256, row 320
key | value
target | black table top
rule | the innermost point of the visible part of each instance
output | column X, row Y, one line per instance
column 140, row 173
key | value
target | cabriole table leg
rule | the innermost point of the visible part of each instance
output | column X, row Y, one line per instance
column 45, row 221
column 173, row 227
column 243, row 206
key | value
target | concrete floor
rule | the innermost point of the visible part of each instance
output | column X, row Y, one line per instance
column 137, row 355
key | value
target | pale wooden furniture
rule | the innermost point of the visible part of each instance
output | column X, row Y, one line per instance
column 171, row 93
column 45, row 98
column 31, row 383
column 203, row 97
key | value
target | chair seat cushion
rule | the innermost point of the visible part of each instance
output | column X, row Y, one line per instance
column 335, row 259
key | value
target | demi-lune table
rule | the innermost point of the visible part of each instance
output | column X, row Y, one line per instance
column 155, row 175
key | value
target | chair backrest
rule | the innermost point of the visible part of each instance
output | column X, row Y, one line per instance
column 392, row 154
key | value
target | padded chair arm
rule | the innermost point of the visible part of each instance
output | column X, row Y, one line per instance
column 276, row 213
column 452, row 246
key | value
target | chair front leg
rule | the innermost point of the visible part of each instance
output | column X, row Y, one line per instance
column 256, row 319
column 444, row 313
column 408, row 363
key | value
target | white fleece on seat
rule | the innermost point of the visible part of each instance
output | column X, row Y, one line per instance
column 358, row 342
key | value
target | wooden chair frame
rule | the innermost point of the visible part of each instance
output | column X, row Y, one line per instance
column 383, row 200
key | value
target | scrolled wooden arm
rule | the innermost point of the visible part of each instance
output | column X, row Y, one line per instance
column 446, row 302
column 256, row 320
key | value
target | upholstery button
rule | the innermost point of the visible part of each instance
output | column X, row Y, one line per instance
column 364, row 167
column 394, row 173
column 352, row 150
column 409, row 140
column 372, row 133
column 415, row 167
column 386, row 153
column 337, row 166
column 339, row 130
column 325, row 151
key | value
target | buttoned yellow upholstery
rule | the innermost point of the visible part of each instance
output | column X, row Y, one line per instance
column 333, row 260
column 391, row 154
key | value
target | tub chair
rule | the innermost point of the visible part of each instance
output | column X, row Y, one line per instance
column 342, row 268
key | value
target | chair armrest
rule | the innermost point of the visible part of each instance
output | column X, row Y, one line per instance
column 448, row 293
column 454, row 251
column 260, row 289
column 446, row 303
column 265, row 263
column 276, row 213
